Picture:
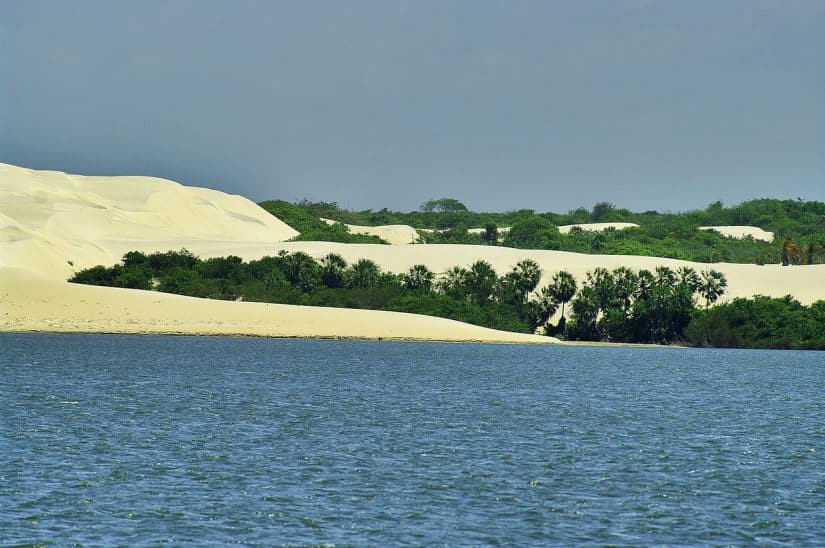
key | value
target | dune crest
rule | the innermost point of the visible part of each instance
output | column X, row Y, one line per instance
column 741, row 232
column 392, row 234
column 56, row 222
column 53, row 224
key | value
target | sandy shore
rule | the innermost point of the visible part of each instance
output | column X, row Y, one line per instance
column 53, row 224
column 33, row 304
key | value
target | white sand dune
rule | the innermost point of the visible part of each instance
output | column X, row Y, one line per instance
column 392, row 234
column 55, row 222
column 596, row 227
column 52, row 224
column 31, row 303
column 734, row 231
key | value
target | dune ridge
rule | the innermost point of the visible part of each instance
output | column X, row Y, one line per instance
column 738, row 231
column 53, row 224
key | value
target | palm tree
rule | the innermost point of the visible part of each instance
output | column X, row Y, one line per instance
column 665, row 276
column 526, row 276
column 453, row 282
column 603, row 284
column 419, row 277
column 480, row 281
column 585, row 313
column 545, row 306
column 688, row 276
column 646, row 281
column 332, row 270
column 712, row 287
column 364, row 274
column 563, row 288
column 301, row 270
column 625, row 282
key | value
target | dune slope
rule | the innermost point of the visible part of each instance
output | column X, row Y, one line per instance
column 53, row 224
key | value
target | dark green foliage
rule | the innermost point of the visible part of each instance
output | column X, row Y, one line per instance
column 297, row 278
column 626, row 306
column 418, row 278
column 533, row 232
column 761, row 322
column 659, row 234
column 619, row 305
column 443, row 205
column 490, row 234
column 311, row 227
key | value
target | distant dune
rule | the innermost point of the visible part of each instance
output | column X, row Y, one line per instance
column 392, row 234
column 741, row 232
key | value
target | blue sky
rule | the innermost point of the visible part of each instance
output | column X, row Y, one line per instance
column 665, row 105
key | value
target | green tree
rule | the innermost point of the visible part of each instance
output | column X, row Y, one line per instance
column 480, row 281
column 490, row 234
column 601, row 210
column 688, row 276
column 442, row 205
column 533, row 232
column 563, row 289
column 453, row 283
column 301, row 270
column 712, row 287
column 333, row 268
column 543, row 307
column 418, row 278
column 585, row 314
column 364, row 274
column 526, row 276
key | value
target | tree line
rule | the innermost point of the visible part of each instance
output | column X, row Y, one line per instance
column 672, row 235
column 621, row 305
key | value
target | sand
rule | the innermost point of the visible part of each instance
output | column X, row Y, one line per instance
column 54, row 224
column 741, row 232
column 31, row 303
column 392, row 234
column 596, row 227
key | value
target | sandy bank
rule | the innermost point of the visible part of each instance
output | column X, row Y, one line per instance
column 53, row 224
column 31, row 303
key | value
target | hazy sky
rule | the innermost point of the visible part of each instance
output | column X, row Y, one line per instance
column 665, row 105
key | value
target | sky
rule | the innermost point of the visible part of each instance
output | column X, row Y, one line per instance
column 547, row 105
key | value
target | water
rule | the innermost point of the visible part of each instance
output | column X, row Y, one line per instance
column 136, row 440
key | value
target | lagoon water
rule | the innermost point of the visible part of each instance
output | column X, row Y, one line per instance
column 138, row 440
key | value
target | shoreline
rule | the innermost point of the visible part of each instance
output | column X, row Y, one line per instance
column 344, row 338
column 55, row 224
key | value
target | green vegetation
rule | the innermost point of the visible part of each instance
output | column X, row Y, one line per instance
column 675, row 235
column 312, row 228
column 616, row 306
column 761, row 322
column 640, row 307
column 478, row 295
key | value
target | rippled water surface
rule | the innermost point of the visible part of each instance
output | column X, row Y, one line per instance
column 136, row 440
